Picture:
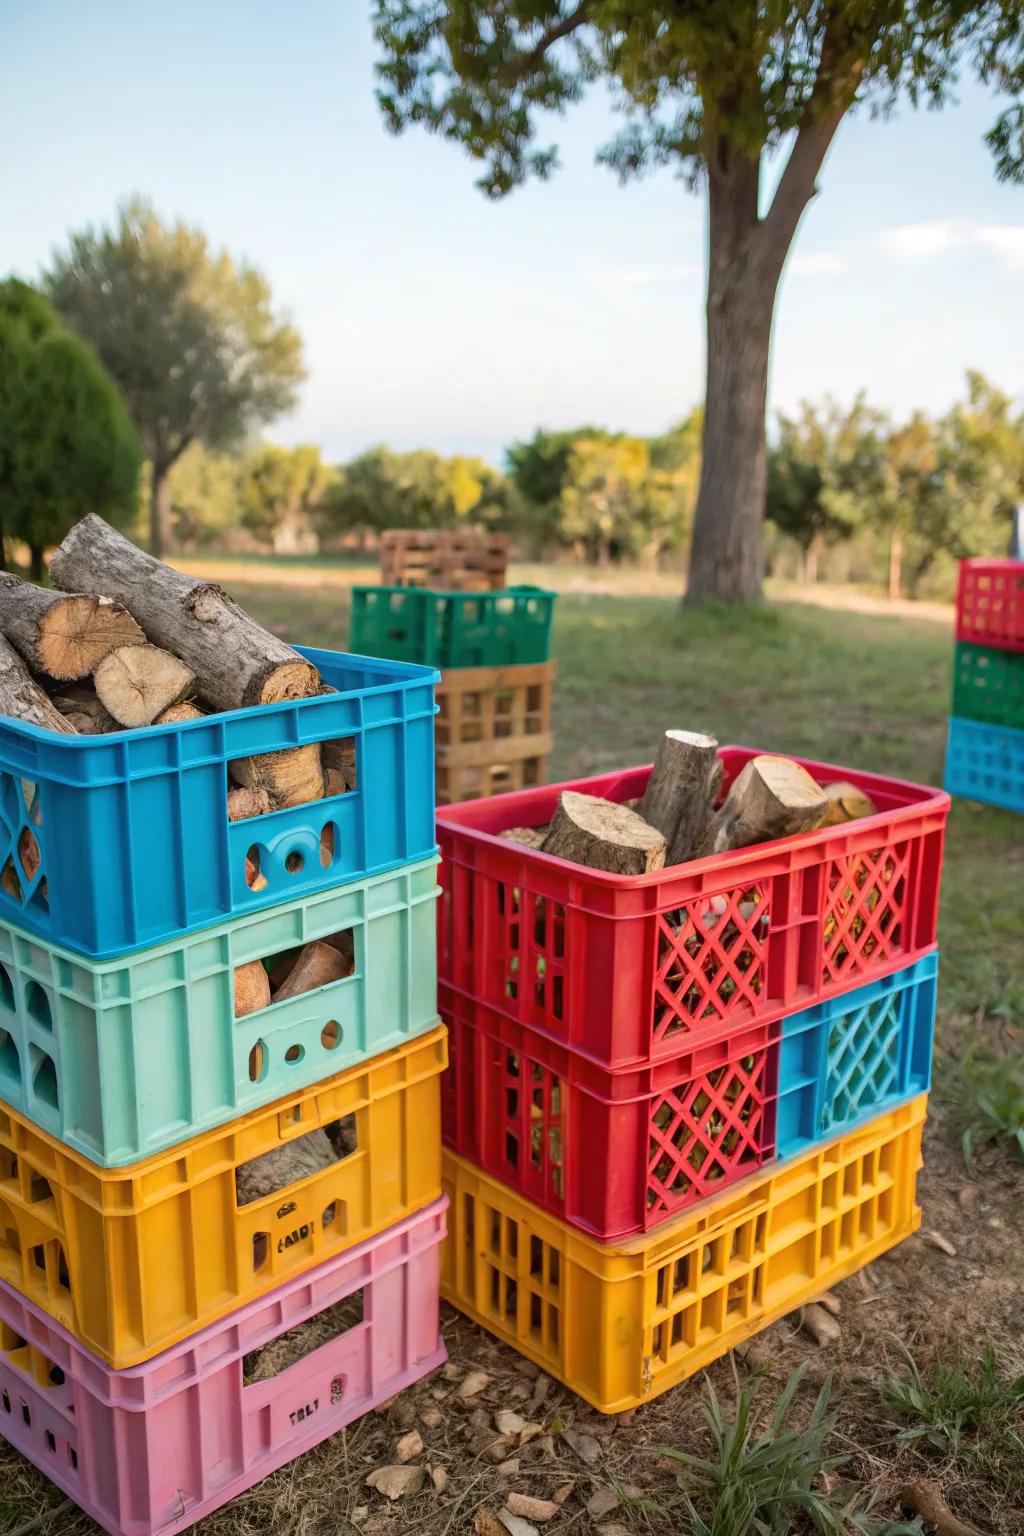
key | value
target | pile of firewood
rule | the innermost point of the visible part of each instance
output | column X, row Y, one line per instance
column 124, row 641
column 678, row 817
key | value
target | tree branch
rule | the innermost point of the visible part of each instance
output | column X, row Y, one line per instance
column 528, row 62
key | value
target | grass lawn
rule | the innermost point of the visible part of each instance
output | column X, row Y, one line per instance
column 856, row 688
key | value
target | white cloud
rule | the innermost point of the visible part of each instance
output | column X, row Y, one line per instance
column 1005, row 241
column 818, row 264
column 915, row 242
column 615, row 284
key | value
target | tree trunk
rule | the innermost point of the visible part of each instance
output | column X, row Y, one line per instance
column 36, row 561
column 726, row 552
column 3, row 550
column 895, row 562
column 812, row 557
column 159, row 511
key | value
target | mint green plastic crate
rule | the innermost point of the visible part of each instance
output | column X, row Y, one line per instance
column 122, row 1058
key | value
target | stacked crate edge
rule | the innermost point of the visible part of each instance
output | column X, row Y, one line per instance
column 985, row 743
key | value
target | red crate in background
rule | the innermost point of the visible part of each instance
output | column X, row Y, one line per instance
column 613, row 1153
column 990, row 603
column 634, row 969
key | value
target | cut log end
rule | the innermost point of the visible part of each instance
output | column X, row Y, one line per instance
column 681, row 791
column 138, row 682
column 296, row 679
column 177, row 713
column 603, row 835
column 846, row 803
column 252, row 988
column 771, row 797
column 77, row 633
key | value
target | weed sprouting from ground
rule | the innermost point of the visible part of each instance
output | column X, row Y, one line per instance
column 777, row 1481
column 985, row 1088
column 957, row 1408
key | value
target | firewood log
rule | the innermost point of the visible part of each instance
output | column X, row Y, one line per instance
column 293, row 776
column 317, row 965
column 23, row 698
column 83, row 709
column 340, row 757
column 252, row 988
column 236, row 661
column 138, row 682
column 283, row 1165
column 771, row 797
column 244, row 803
column 681, row 790
column 846, row 803
column 603, row 835
column 186, row 710
column 65, row 636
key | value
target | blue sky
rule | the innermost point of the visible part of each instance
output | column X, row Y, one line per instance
column 433, row 317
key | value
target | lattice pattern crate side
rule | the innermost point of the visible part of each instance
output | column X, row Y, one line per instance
column 990, row 603
column 509, row 707
column 636, row 969
column 148, row 1451
column 453, row 629
column 988, row 685
column 610, row 1154
column 621, row 1323
column 985, row 762
column 473, row 781
column 120, row 1059
column 132, row 1260
column 855, row 1056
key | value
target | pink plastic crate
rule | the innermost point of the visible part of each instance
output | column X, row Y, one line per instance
column 990, row 603
column 152, row 1449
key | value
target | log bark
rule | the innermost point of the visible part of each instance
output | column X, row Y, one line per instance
column 83, row 709
column 681, row 791
column 236, row 661
column 771, row 797
column 65, row 636
column 252, row 988
column 284, row 1165
column 588, row 830
column 244, row 803
column 339, row 757
column 293, row 776
column 178, row 712
column 318, row 964
column 22, row 697
column 138, row 682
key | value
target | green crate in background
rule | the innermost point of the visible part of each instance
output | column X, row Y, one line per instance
column 508, row 628
column 988, row 685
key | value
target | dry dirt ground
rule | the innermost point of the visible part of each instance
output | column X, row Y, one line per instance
column 920, row 1297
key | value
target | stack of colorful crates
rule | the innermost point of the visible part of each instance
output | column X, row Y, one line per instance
column 494, row 699
column 682, row 1104
column 985, row 749
column 141, row 1280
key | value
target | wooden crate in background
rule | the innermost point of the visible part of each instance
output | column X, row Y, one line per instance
column 452, row 559
column 493, row 730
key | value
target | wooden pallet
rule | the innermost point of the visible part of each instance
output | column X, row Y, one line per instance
column 452, row 559
column 493, row 730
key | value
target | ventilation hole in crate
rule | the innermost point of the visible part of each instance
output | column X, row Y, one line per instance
column 495, row 1233
column 38, row 1257
column 26, row 1414
column 510, row 1295
column 5, row 1399
column 512, row 1150
column 38, row 1005
column 72, row 1458
column 29, row 856
column 302, row 1340
column 10, row 1242
column 554, row 1266
column 301, row 1158
column 10, row 1061
column 51, row 1444
column 536, row 1258
column 56, row 1375
column 339, row 760
column 259, row 1062
column 44, row 1078
column 8, row 1164
column 10, row 1341
column 329, row 1215
column 39, row 1189
column 294, row 863
column 254, row 877
column 10, row 883
column 305, row 968
column 330, row 1035
column 6, row 990
column 294, row 1054
column 328, row 843
column 536, row 1313
column 469, row 1219
column 63, row 1277
column 260, row 1249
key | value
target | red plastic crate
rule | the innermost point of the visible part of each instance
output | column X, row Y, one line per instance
column 613, row 1153
column 633, row 969
column 990, row 603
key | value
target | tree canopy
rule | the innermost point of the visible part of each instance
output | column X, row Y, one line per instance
column 189, row 334
column 712, row 89
column 67, row 446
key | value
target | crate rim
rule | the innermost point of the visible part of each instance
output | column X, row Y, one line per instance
column 926, row 799
column 521, row 589
column 406, row 674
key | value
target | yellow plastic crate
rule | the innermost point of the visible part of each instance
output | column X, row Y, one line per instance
column 620, row 1323
column 133, row 1259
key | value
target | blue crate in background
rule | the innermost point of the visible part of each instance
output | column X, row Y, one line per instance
column 112, row 843
column 986, row 762
column 856, row 1056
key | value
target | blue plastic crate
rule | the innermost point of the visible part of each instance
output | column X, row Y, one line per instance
column 112, row 843
column 123, row 1058
column 856, row 1056
column 986, row 762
